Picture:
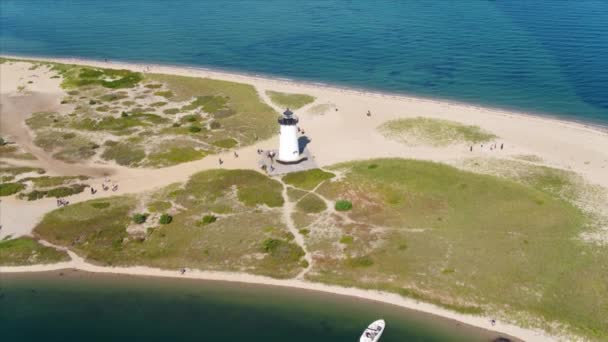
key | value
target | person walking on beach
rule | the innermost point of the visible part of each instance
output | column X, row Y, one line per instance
column 221, row 161
column 502, row 145
column 471, row 149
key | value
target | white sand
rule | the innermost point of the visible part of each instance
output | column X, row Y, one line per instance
column 337, row 136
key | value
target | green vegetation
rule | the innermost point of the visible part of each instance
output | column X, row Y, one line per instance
column 343, row 205
column 307, row 180
column 311, row 203
column 62, row 191
column 249, row 203
column 237, row 106
column 140, row 218
column 79, row 76
column 453, row 238
column 27, row 251
column 124, row 154
column 208, row 219
column 293, row 101
column 435, row 132
column 48, row 181
column 282, row 251
column 225, row 143
column 175, row 155
column 14, row 152
column 68, row 147
column 216, row 115
column 8, row 189
column 165, row 219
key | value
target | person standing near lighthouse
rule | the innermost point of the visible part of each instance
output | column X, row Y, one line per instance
column 289, row 150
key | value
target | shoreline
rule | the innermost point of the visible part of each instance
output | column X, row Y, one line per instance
column 524, row 133
column 480, row 322
column 245, row 77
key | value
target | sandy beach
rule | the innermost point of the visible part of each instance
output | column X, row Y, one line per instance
column 341, row 132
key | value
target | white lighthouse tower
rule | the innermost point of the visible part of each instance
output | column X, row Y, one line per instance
column 289, row 150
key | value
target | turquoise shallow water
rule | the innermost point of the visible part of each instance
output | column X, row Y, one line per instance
column 85, row 307
column 545, row 56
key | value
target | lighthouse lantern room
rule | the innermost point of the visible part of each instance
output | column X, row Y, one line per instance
column 289, row 150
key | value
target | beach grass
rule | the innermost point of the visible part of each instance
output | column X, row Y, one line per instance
column 455, row 238
column 434, row 132
column 246, row 209
column 135, row 110
column 8, row 189
column 24, row 251
column 287, row 100
column 311, row 203
column 308, row 179
column 235, row 106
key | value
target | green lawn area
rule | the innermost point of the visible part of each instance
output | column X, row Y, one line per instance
column 27, row 251
column 308, row 179
column 466, row 241
column 435, row 132
column 287, row 100
column 245, row 204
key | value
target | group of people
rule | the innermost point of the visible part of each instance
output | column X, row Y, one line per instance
column 492, row 147
column 62, row 202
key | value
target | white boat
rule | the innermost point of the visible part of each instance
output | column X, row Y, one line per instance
column 373, row 331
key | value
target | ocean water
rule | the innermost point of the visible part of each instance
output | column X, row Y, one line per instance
column 84, row 307
column 541, row 56
column 544, row 56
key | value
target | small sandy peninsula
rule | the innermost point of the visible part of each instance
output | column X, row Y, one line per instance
column 343, row 125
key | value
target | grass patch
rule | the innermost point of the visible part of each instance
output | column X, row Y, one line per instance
column 237, row 105
column 343, row 205
column 293, row 101
column 8, row 189
column 435, row 132
column 124, row 154
column 225, row 143
column 311, row 203
column 48, row 181
column 58, row 192
column 159, row 206
column 497, row 231
column 175, row 155
column 308, row 179
column 208, row 219
column 27, row 251
column 165, row 219
column 80, row 76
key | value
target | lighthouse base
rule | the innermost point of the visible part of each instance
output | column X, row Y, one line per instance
column 277, row 167
column 298, row 161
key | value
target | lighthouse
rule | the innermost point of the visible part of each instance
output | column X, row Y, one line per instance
column 289, row 150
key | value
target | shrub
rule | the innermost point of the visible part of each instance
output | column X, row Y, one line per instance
column 215, row 125
column 208, row 219
column 165, row 219
column 343, row 205
column 194, row 129
column 140, row 218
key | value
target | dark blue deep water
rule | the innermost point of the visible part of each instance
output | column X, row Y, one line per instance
column 82, row 307
column 541, row 56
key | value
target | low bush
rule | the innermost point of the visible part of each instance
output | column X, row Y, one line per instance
column 165, row 219
column 343, row 205
column 140, row 218
column 208, row 219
